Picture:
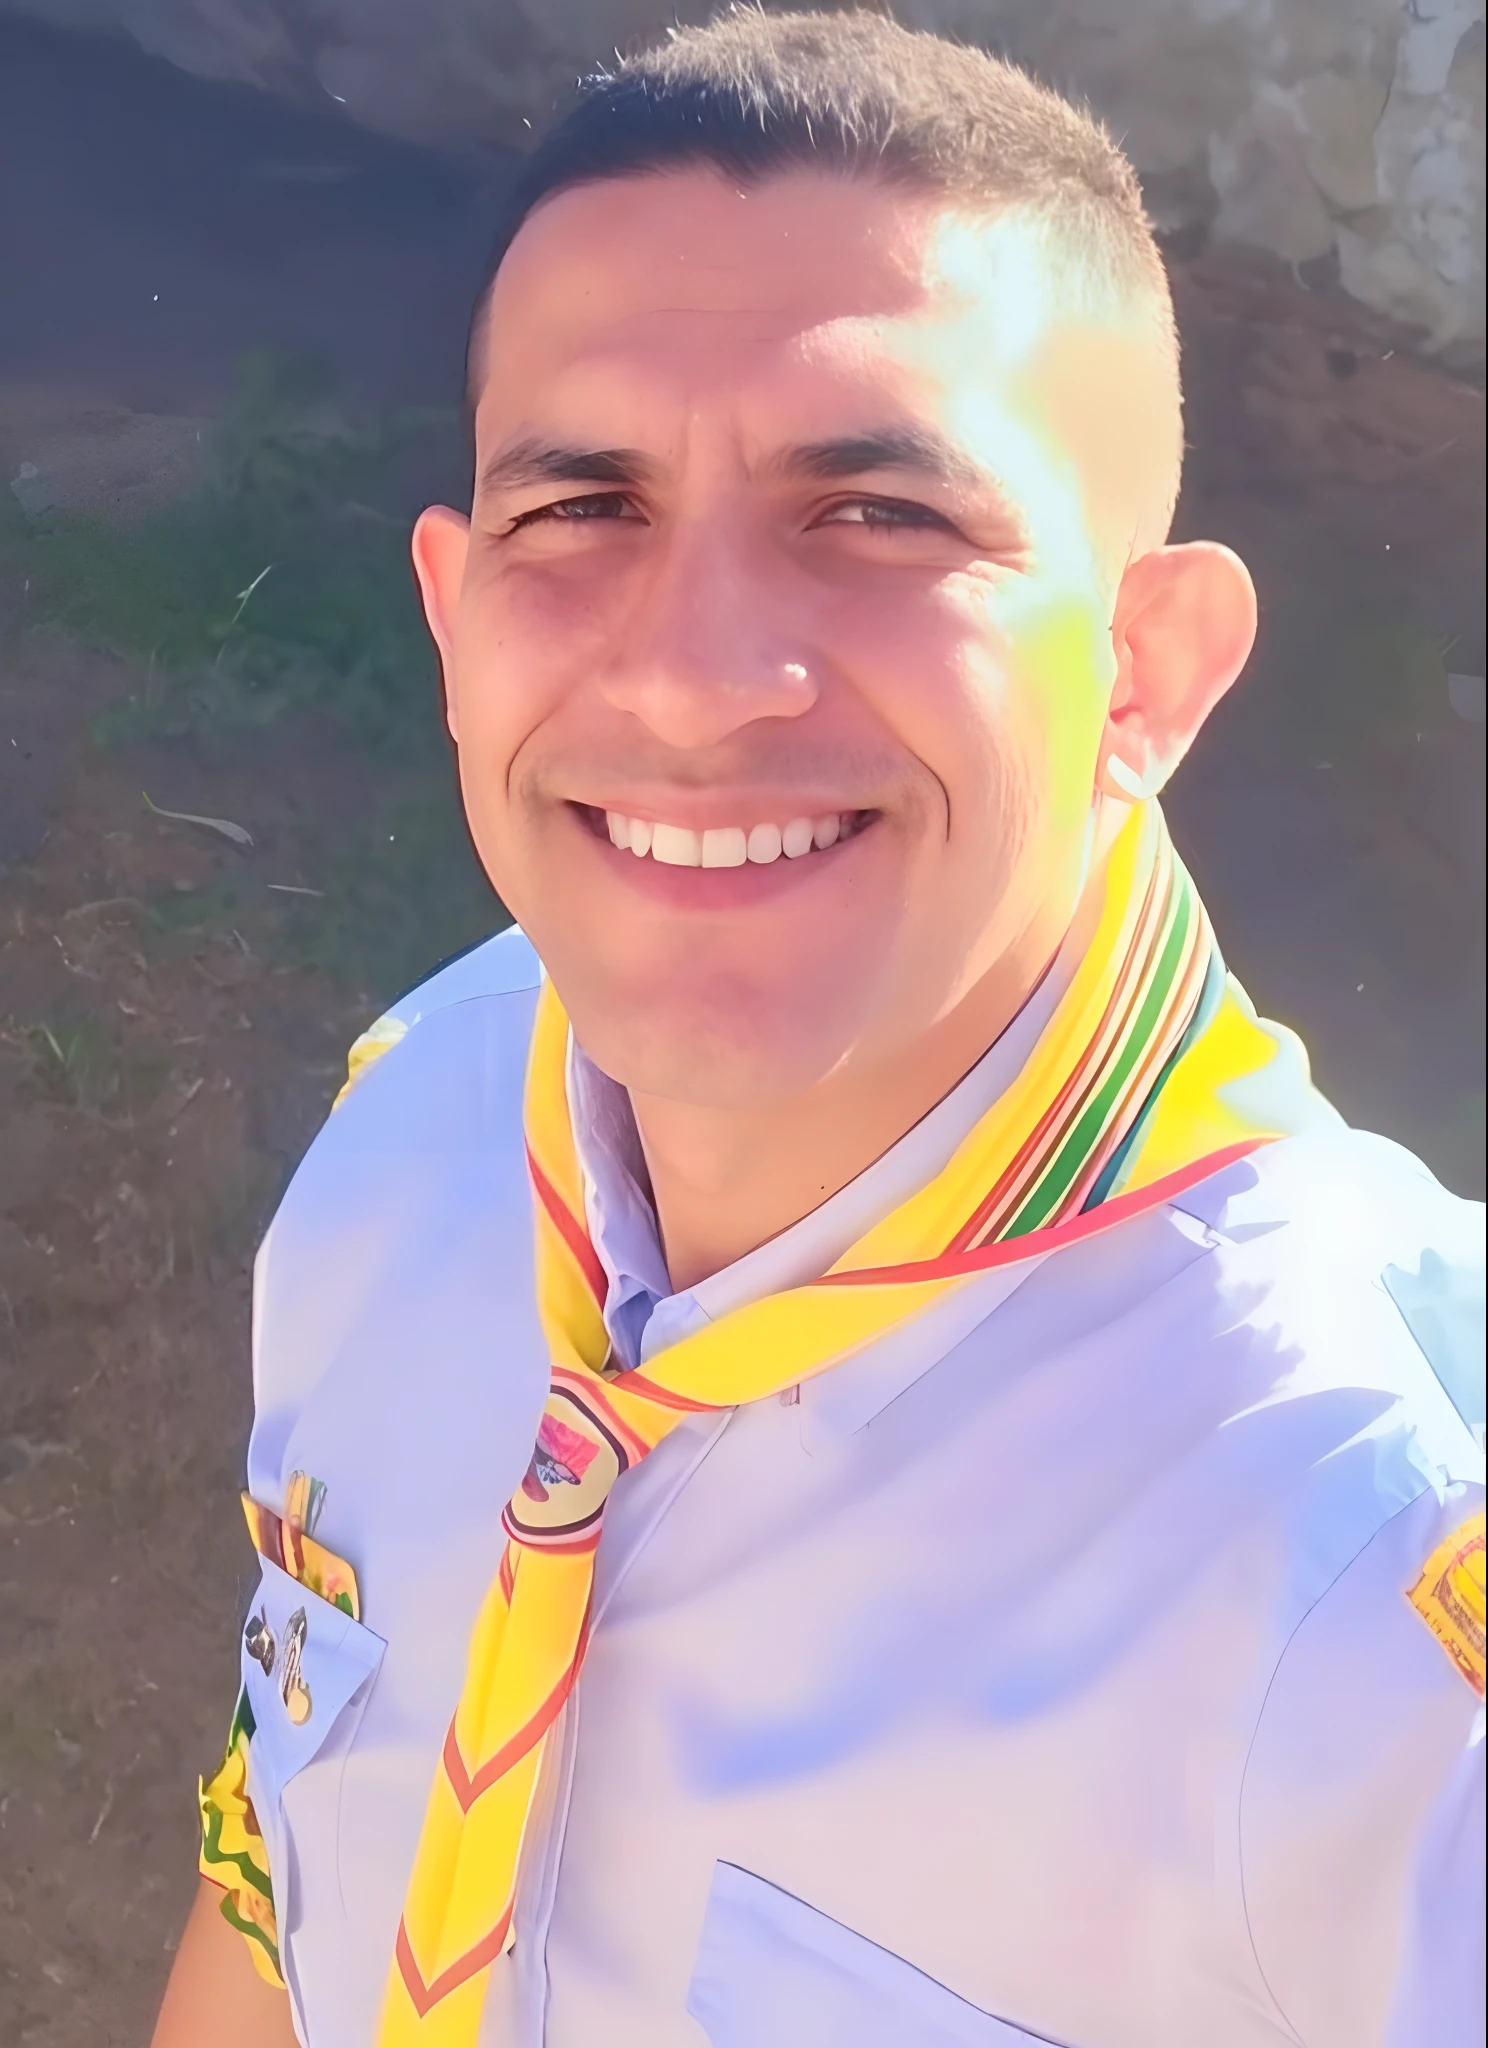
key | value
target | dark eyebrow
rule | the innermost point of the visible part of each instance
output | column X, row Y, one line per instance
column 530, row 461
column 917, row 450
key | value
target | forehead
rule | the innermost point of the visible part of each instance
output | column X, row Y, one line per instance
column 680, row 313
column 694, row 286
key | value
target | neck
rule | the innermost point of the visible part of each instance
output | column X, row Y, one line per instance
column 726, row 1180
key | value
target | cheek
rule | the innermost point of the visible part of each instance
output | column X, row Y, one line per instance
column 519, row 639
column 930, row 665
column 1036, row 706
column 1000, row 692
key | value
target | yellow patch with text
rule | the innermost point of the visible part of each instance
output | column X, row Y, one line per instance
column 1449, row 1597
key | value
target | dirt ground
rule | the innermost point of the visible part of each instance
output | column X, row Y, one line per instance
column 163, row 1064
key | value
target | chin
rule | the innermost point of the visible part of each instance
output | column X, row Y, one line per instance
column 731, row 1049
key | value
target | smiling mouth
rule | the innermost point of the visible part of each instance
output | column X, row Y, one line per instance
column 725, row 846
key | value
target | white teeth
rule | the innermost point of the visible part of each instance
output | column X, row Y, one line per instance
column 676, row 847
column 724, row 847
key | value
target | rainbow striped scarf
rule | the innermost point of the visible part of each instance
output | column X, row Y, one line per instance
column 1122, row 1104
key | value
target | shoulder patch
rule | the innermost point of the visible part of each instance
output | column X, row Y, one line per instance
column 1449, row 1597
column 377, row 1039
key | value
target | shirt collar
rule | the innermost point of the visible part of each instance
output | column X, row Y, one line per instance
column 643, row 1315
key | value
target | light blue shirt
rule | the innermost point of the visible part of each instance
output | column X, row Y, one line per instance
column 1045, row 1672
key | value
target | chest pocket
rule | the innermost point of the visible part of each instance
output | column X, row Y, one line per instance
column 307, row 1670
column 771, row 1968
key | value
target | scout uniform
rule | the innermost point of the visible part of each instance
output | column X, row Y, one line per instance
column 1063, row 1627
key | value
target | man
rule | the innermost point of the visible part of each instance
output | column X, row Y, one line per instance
column 969, row 1537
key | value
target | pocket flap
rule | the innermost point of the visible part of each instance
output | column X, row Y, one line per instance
column 303, row 1662
column 771, row 1968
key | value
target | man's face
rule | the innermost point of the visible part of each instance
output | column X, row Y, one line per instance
column 798, row 516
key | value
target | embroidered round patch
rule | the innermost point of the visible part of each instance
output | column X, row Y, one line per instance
column 582, row 1448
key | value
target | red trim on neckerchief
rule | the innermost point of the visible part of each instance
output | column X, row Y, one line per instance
column 468, row 1789
column 570, row 1230
column 1009, row 1250
column 426, row 1996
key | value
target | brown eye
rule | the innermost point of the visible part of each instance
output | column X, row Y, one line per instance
column 886, row 515
column 595, row 505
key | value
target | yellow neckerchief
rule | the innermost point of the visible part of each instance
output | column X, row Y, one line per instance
column 1122, row 1104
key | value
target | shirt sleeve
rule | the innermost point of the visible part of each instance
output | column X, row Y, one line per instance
column 233, row 1855
column 1361, row 1819
column 1440, row 1991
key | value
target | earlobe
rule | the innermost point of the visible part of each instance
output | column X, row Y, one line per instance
column 441, row 542
column 1129, row 782
column 1184, row 625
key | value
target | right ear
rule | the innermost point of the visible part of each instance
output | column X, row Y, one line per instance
column 441, row 541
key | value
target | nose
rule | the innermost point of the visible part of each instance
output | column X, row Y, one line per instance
column 703, row 652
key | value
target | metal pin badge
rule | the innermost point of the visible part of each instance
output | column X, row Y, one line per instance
column 292, row 1687
column 258, row 1641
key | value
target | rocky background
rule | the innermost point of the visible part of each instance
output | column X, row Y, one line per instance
column 1346, row 134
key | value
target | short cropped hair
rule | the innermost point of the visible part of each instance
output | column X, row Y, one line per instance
column 753, row 94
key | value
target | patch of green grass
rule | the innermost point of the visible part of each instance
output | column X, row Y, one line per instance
column 388, row 902
column 282, row 587
column 280, row 583
column 218, row 906
column 394, row 900
column 77, row 1064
